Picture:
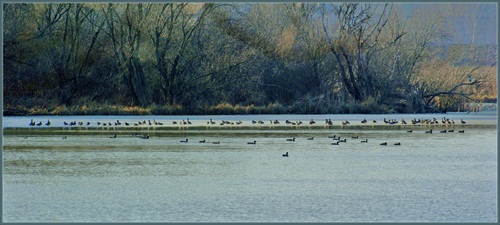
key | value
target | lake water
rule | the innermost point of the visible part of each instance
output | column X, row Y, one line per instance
column 90, row 177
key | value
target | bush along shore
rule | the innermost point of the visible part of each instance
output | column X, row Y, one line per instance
column 220, row 109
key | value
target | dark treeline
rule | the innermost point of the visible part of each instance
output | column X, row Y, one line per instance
column 180, row 58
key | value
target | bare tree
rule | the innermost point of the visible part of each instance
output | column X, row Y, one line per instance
column 355, row 36
column 173, row 28
column 125, row 29
column 444, row 79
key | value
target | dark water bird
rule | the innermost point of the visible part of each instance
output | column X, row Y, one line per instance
column 184, row 141
column 429, row 131
column 216, row 143
column 363, row 121
column 252, row 143
column 26, row 137
column 174, row 122
column 292, row 139
column 334, row 136
column 88, row 123
column 344, row 140
column 145, row 137
column 310, row 138
column 260, row 122
column 114, row 136
column 461, row 131
column 66, row 124
column 355, row 137
column 385, row 143
column 109, row 123
column 374, row 121
column 64, row 137
column 335, row 143
column 98, row 123
column 285, row 155
column 329, row 122
column 39, row 124
column 443, row 131
column 451, row 131
column 32, row 123
column 254, row 122
column 462, row 121
column 202, row 141
column 365, row 141
column 189, row 122
column 399, row 143
column 48, row 123
column 126, row 124
column 311, row 122
column 409, row 131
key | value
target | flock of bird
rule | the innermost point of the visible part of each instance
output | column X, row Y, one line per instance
column 337, row 139
column 433, row 121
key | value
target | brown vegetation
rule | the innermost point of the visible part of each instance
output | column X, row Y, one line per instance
column 208, row 58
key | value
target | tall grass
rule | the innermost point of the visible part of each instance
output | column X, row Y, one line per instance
column 304, row 106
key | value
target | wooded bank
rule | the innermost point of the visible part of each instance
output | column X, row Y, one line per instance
column 218, row 58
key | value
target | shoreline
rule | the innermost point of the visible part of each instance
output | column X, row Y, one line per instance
column 197, row 127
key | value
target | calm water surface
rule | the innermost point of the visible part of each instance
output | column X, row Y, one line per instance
column 89, row 177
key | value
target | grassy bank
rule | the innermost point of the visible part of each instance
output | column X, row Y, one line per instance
column 92, row 108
